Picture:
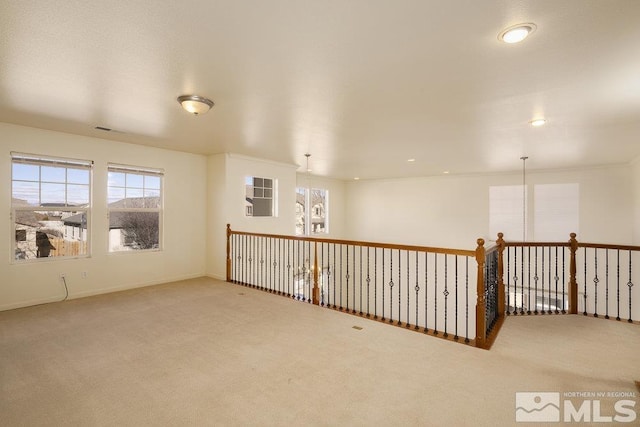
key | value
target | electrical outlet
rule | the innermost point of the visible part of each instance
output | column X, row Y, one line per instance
column 63, row 276
column 84, row 274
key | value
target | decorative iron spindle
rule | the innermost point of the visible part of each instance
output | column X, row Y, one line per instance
column 368, row 283
column 508, row 276
column 630, row 285
column 383, row 286
column 417, row 289
column 596, row 280
column 347, row 278
column 618, row 288
column 375, row 283
column 556, row 278
column 466, row 304
column 522, row 281
column 446, row 296
column 455, row 337
column 435, row 295
column 535, row 279
column 408, row 322
column 564, row 281
column 426, row 292
column 606, row 285
column 515, row 281
column 353, row 309
column 585, row 282
column 399, row 287
column 391, row 289
column 529, row 280
column 360, row 307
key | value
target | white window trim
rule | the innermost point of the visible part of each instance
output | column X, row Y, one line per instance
column 141, row 170
column 46, row 160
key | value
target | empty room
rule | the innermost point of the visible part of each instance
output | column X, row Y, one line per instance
column 278, row 212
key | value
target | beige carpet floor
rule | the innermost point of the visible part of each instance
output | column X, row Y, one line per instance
column 205, row 352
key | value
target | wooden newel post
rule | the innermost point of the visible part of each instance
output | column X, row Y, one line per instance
column 573, row 284
column 316, row 289
column 228, row 252
column 481, row 324
column 501, row 299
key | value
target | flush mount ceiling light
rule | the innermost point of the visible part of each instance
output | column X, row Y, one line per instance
column 195, row 104
column 537, row 122
column 516, row 33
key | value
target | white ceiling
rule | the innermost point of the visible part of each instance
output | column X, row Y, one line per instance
column 362, row 85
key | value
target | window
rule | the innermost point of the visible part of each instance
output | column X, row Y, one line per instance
column 556, row 211
column 259, row 196
column 134, row 197
column 506, row 211
column 316, row 219
column 50, row 206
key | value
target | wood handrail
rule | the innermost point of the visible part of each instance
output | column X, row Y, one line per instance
column 448, row 251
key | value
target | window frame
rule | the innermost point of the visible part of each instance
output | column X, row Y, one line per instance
column 308, row 211
column 249, row 210
column 159, row 208
column 40, row 206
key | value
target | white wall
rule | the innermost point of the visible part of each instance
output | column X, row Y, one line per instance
column 453, row 211
column 183, row 256
column 226, row 203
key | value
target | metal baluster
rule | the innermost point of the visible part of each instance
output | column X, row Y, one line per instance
column 618, row 287
column 368, row 282
column 557, row 278
column 595, row 285
column 375, row 283
column 435, row 295
column 508, row 281
column 408, row 322
column 360, row 312
column 455, row 337
column 417, row 288
column 542, row 277
column 522, row 281
column 606, row 284
column 550, row 281
column 341, row 271
column 391, row 289
column 334, row 275
column 564, row 281
column 399, row 287
column 585, row 282
column 535, row 279
column 288, row 255
column 466, row 298
column 347, row 277
column 515, row 280
column 446, row 295
column 383, row 285
column 353, row 310
column 426, row 292
column 630, row 285
column 309, row 272
column 529, row 280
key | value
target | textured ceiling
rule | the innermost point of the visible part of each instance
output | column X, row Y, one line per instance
column 362, row 85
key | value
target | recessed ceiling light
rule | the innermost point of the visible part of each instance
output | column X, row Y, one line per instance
column 411, row 160
column 445, row 172
column 516, row 33
column 356, row 178
column 537, row 122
